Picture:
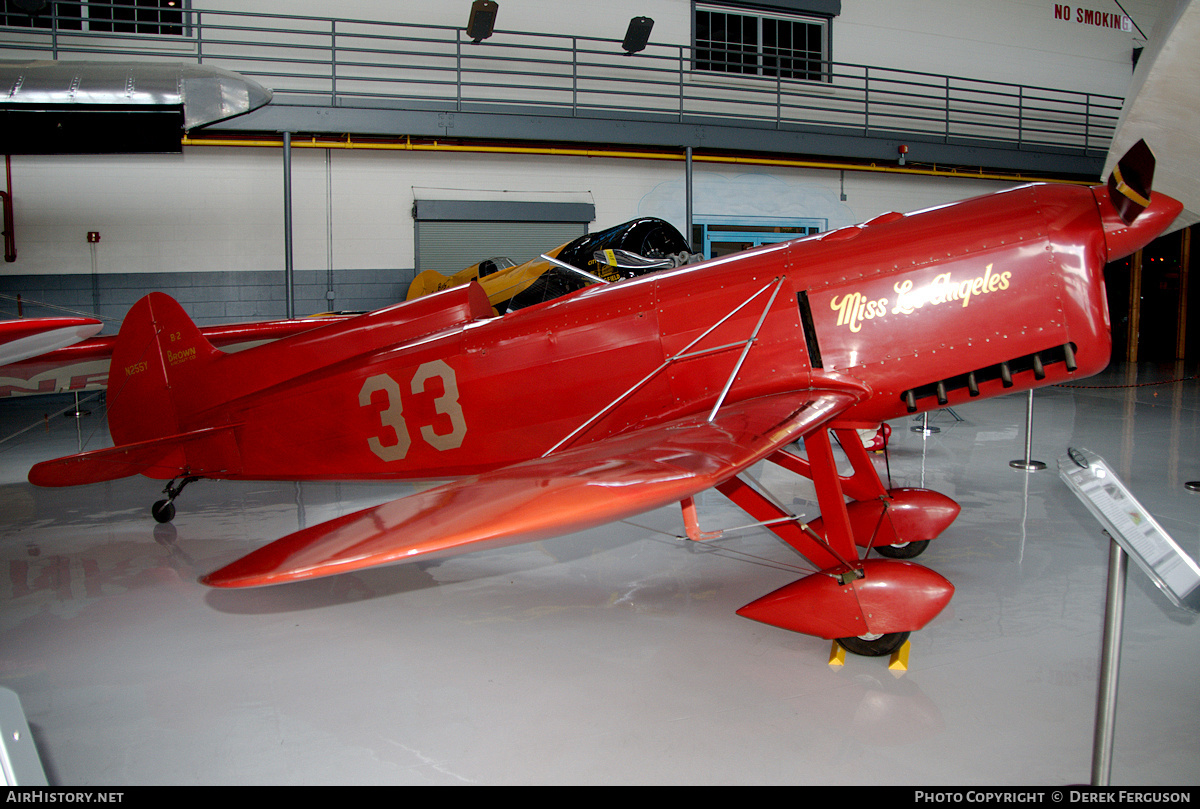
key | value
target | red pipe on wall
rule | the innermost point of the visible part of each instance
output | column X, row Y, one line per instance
column 10, row 236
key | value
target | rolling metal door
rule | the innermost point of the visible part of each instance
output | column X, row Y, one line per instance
column 448, row 246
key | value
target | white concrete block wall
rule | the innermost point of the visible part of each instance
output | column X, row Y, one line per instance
column 221, row 208
column 1017, row 41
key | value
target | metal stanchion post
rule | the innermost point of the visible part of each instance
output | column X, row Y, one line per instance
column 1106, row 703
column 924, row 428
column 1027, row 463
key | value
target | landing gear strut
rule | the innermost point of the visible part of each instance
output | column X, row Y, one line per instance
column 868, row 605
column 164, row 510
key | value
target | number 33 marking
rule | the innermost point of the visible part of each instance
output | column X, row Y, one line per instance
column 392, row 415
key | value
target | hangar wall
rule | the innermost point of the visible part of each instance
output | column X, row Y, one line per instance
column 207, row 225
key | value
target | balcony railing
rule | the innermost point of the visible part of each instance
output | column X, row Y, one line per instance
column 339, row 62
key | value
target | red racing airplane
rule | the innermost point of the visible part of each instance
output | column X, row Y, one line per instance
column 661, row 387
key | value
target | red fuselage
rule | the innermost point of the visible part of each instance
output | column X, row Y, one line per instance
column 911, row 312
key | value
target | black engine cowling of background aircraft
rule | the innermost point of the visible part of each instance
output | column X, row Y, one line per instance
column 647, row 236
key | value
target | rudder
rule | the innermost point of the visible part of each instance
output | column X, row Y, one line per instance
column 158, row 357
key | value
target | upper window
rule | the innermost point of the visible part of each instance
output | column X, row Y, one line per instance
column 112, row 16
column 761, row 43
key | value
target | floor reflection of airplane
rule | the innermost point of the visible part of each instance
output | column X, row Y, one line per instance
column 589, row 259
column 626, row 397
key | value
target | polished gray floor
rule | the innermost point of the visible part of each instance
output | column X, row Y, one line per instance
column 612, row 656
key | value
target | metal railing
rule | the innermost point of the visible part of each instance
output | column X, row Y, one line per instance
column 340, row 62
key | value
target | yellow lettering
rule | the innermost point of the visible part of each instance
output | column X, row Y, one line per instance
column 904, row 303
column 854, row 308
column 176, row 357
column 844, row 307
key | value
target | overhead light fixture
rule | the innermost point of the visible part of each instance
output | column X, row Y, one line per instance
column 637, row 35
column 31, row 6
column 483, row 19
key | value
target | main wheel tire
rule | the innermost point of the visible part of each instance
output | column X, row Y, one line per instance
column 904, row 550
column 163, row 511
column 874, row 645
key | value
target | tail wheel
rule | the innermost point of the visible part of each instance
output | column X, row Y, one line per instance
column 874, row 645
column 163, row 511
column 903, row 550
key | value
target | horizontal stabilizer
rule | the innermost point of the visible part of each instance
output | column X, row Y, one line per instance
column 196, row 453
column 611, row 479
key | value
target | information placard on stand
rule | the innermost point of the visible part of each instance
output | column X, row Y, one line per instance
column 1133, row 528
column 1131, row 532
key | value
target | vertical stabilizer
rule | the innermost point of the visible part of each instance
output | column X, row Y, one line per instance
column 159, row 355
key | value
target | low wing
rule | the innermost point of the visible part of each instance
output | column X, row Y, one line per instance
column 597, row 483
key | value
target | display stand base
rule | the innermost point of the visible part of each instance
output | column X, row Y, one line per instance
column 1031, row 466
